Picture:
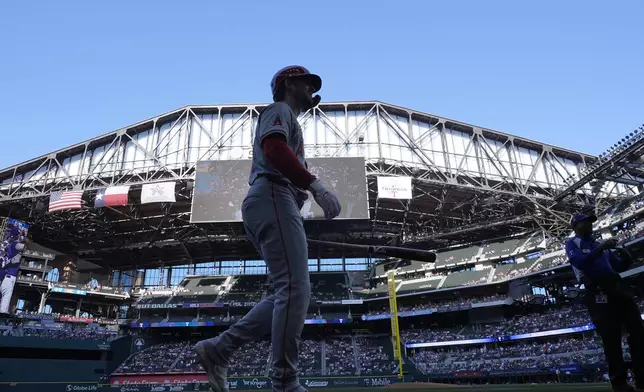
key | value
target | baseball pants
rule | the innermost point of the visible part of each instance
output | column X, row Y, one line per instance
column 610, row 313
column 6, row 289
column 271, row 214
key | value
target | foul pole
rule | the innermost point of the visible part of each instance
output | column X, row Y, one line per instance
column 395, row 330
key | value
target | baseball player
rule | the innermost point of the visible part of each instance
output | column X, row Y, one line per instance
column 278, row 181
column 611, row 306
column 10, row 265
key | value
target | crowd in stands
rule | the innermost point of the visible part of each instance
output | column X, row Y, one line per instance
column 521, row 356
column 62, row 333
column 156, row 359
column 311, row 357
column 250, row 359
column 552, row 319
column 93, row 286
column 549, row 320
column 546, row 363
column 550, row 261
column 443, row 303
column 85, row 333
column 627, row 235
column 375, row 356
column 56, row 326
column 511, row 270
column 340, row 358
column 526, row 350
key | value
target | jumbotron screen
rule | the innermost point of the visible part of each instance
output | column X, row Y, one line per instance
column 220, row 188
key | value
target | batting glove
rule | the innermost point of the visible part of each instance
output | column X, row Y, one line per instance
column 325, row 199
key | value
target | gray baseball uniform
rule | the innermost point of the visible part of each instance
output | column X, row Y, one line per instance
column 9, row 274
column 271, row 214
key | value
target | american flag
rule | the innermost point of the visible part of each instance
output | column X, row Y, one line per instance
column 65, row 201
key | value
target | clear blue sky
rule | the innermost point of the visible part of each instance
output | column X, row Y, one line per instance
column 569, row 73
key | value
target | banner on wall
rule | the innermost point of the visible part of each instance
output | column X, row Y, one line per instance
column 199, row 382
column 14, row 236
column 394, row 188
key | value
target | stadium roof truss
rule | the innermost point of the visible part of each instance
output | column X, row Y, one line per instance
column 469, row 182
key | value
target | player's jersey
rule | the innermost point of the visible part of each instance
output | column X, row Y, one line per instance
column 578, row 249
column 276, row 118
column 13, row 251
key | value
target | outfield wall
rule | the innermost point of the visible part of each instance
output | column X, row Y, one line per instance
column 246, row 383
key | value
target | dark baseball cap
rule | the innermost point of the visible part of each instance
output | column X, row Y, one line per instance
column 577, row 218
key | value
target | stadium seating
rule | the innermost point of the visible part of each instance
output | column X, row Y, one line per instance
column 532, row 242
column 521, row 356
column 352, row 355
column 456, row 256
column 549, row 320
column 246, row 288
column 466, row 278
column 153, row 299
column 375, row 356
column 511, row 270
column 155, row 359
column 550, row 261
column 311, row 357
column 329, row 286
column 499, row 249
column 560, row 318
column 68, row 333
column 340, row 357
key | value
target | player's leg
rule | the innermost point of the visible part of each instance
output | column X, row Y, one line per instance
column 215, row 353
column 609, row 327
column 253, row 326
column 632, row 321
column 280, row 232
column 273, row 223
column 6, row 289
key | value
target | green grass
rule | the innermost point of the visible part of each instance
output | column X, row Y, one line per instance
column 490, row 388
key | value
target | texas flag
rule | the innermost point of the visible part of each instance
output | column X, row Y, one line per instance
column 112, row 196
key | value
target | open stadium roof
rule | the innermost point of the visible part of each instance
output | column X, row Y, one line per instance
column 470, row 183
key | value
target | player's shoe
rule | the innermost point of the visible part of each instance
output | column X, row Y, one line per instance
column 217, row 374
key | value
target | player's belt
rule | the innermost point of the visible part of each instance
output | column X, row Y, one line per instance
column 274, row 179
column 301, row 193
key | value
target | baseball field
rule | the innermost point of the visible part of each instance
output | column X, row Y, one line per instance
column 416, row 387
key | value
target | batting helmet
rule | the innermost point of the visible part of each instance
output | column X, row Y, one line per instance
column 292, row 72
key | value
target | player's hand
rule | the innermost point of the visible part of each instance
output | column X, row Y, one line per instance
column 610, row 243
column 325, row 199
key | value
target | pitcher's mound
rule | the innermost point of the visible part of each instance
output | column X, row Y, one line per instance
column 420, row 385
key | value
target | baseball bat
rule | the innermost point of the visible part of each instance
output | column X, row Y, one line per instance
column 384, row 251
